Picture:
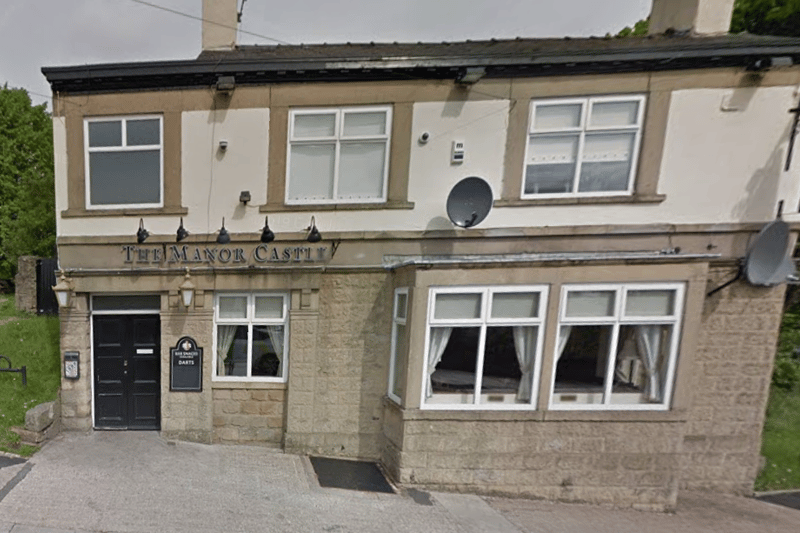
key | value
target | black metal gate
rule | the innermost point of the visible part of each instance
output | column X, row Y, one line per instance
column 46, row 302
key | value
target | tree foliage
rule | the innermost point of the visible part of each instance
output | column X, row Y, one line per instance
column 759, row 17
column 767, row 17
column 27, row 195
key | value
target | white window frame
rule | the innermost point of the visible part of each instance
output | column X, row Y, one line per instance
column 397, row 321
column 337, row 140
column 619, row 319
column 123, row 148
column 485, row 320
column 251, row 321
column 586, row 105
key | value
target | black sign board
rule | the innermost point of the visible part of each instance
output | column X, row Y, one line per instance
column 186, row 366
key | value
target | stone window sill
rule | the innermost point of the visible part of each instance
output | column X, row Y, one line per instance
column 230, row 385
column 674, row 416
column 276, row 208
column 149, row 211
column 584, row 200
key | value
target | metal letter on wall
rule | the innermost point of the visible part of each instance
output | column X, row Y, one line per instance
column 186, row 366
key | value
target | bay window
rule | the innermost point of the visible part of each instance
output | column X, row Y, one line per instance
column 338, row 155
column 582, row 146
column 250, row 337
column 616, row 346
column 483, row 347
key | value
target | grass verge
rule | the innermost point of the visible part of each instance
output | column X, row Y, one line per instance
column 781, row 442
column 32, row 341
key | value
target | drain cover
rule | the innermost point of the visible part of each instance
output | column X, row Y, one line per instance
column 350, row 475
column 787, row 499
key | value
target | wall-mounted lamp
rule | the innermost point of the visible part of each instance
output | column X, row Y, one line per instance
column 224, row 237
column 471, row 75
column 187, row 290
column 182, row 233
column 313, row 233
column 244, row 197
column 142, row 234
column 223, row 145
column 266, row 234
column 63, row 290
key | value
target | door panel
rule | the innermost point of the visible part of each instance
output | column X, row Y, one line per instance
column 127, row 371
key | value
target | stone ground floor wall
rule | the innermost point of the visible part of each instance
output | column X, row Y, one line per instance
column 630, row 463
column 733, row 369
column 339, row 368
column 249, row 415
column 639, row 459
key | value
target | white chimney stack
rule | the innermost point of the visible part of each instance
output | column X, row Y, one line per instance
column 220, row 21
column 698, row 17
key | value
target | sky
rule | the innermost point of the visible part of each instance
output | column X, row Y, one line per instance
column 37, row 33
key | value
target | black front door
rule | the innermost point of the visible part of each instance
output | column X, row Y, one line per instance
column 127, row 372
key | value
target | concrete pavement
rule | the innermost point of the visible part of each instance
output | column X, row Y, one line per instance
column 137, row 482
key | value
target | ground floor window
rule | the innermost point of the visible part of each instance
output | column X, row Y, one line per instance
column 250, row 337
column 397, row 369
column 483, row 346
column 616, row 346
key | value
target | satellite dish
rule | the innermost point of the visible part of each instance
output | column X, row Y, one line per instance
column 768, row 261
column 469, row 202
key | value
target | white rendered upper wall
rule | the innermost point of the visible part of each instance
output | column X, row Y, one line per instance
column 723, row 159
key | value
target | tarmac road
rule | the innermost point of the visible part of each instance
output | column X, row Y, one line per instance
column 138, row 482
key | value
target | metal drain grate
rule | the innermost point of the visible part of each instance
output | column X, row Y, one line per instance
column 350, row 475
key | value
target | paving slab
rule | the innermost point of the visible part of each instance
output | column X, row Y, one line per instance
column 136, row 482
column 697, row 512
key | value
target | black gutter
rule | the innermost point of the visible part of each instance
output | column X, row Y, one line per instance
column 201, row 73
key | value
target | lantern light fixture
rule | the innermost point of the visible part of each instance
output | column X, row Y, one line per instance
column 63, row 290
column 187, row 290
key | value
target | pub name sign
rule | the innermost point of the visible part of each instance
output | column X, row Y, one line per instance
column 222, row 255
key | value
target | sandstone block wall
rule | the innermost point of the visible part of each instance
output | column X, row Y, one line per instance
column 249, row 416
column 25, row 284
column 76, row 395
column 339, row 368
column 622, row 463
column 187, row 415
column 731, row 380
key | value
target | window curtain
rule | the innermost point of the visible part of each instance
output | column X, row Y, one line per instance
column 225, row 335
column 276, row 337
column 525, row 344
column 563, row 337
column 439, row 338
column 648, row 343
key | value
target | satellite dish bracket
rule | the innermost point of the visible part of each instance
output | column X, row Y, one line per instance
column 729, row 282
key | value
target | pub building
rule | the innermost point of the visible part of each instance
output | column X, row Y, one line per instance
column 500, row 267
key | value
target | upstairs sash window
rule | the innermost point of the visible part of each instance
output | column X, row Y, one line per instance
column 124, row 162
column 583, row 146
column 338, row 155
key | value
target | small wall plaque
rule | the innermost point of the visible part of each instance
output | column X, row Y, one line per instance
column 186, row 366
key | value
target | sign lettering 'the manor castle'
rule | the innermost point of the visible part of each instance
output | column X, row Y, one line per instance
column 213, row 255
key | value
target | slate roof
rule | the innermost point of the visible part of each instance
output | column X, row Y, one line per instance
column 504, row 58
